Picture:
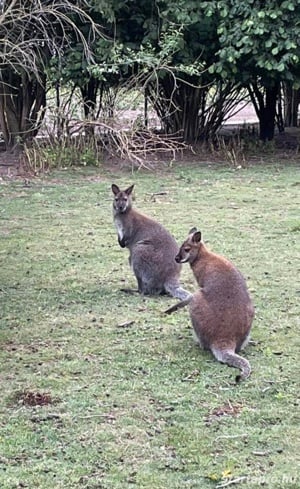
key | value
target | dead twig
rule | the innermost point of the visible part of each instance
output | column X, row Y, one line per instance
column 126, row 324
column 155, row 194
column 260, row 454
column 106, row 416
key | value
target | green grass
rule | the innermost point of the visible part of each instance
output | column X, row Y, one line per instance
column 139, row 405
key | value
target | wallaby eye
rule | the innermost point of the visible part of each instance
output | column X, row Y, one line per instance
column 187, row 250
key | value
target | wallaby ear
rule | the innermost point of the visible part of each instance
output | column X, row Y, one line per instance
column 129, row 190
column 196, row 237
column 193, row 230
column 115, row 189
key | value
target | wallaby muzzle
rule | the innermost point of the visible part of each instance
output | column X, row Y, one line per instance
column 121, row 207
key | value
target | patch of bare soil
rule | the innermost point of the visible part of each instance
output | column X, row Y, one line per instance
column 31, row 398
column 227, row 409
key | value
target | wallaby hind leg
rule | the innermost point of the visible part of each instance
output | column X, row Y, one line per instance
column 175, row 290
column 140, row 285
column 148, row 286
column 233, row 360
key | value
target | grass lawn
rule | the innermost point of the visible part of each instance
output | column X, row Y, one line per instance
column 100, row 390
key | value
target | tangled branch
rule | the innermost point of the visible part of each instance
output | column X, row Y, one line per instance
column 34, row 31
column 135, row 145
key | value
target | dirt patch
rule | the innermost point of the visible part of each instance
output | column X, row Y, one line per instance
column 227, row 409
column 31, row 398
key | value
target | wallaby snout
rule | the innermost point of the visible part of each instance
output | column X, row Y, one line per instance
column 122, row 207
column 181, row 257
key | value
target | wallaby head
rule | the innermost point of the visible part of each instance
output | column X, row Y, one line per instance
column 189, row 250
column 122, row 201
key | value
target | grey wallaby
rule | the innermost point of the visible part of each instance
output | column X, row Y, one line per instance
column 152, row 249
column 221, row 310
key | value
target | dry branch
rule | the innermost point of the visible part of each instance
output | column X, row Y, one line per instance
column 135, row 146
column 34, row 31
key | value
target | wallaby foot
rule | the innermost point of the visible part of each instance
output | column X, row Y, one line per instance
column 233, row 360
column 179, row 305
column 176, row 291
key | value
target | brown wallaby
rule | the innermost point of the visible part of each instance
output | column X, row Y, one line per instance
column 221, row 311
column 152, row 248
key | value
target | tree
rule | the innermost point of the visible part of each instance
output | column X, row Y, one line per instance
column 260, row 48
column 34, row 31
column 167, row 49
column 188, row 99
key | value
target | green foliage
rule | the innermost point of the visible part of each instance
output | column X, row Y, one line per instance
column 191, row 42
column 142, row 36
column 240, row 40
column 196, row 43
column 257, row 40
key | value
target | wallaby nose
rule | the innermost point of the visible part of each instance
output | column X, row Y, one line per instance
column 177, row 258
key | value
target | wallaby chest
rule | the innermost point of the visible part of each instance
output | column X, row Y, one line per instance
column 120, row 226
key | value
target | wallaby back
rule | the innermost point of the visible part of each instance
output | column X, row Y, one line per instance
column 221, row 310
column 152, row 249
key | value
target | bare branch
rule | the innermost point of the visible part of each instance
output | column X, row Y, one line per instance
column 32, row 32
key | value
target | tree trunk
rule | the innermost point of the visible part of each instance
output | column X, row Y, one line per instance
column 267, row 115
column 291, row 104
column 22, row 107
column 194, row 108
column 177, row 105
column 264, row 100
column 89, row 93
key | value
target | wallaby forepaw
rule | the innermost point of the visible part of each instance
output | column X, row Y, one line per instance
column 122, row 242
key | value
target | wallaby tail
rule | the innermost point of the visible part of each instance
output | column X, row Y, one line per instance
column 179, row 305
column 233, row 360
